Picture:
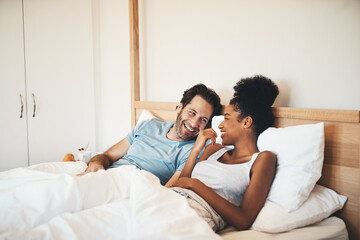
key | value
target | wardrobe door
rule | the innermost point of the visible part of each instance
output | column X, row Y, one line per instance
column 60, row 84
column 13, row 138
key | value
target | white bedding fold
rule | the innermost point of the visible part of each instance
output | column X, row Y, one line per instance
column 121, row 203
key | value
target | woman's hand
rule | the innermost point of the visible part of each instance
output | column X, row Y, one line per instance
column 186, row 182
column 203, row 136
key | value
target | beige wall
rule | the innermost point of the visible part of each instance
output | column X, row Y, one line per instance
column 310, row 48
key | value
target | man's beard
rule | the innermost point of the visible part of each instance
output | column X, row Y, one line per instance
column 179, row 123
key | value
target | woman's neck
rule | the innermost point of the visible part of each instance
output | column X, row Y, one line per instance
column 245, row 148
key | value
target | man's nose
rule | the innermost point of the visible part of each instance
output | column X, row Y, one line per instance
column 196, row 123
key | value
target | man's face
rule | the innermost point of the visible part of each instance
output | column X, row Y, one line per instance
column 192, row 118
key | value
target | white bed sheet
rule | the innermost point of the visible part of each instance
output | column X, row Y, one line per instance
column 137, row 208
column 330, row 228
column 42, row 202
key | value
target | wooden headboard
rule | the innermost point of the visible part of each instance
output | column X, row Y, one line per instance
column 342, row 133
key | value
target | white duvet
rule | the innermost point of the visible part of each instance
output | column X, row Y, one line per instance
column 47, row 201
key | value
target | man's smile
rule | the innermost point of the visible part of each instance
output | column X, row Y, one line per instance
column 189, row 128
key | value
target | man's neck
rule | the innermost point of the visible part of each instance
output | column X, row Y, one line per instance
column 172, row 135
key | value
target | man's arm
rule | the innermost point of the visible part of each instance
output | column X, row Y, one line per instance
column 103, row 161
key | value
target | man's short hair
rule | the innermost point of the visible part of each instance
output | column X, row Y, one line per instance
column 207, row 94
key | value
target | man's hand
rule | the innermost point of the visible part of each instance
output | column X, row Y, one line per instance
column 93, row 166
column 104, row 160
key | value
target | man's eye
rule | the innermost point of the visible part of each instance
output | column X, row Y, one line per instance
column 192, row 113
column 204, row 120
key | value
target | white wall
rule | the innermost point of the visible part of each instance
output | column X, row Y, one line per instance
column 310, row 48
column 112, row 71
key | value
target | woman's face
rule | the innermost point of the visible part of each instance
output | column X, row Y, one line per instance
column 231, row 127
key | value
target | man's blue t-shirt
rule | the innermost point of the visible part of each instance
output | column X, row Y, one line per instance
column 152, row 151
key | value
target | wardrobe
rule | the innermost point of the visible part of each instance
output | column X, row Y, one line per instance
column 46, row 80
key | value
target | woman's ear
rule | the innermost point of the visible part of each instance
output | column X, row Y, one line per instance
column 248, row 121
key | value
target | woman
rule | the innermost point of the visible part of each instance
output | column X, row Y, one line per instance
column 234, row 182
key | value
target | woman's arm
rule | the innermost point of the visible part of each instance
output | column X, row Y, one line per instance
column 242, row 217
column 210, row 149
column 173, row 179
column 203, row 136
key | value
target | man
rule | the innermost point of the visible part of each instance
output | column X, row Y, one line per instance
column 160, row 147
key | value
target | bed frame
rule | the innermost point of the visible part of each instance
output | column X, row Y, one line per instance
column 342, row 134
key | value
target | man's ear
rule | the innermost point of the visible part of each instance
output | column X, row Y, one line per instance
column 179, row 108
column 248, row 121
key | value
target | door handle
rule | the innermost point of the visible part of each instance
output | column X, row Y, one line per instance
column 22, row 107
column 34, row 111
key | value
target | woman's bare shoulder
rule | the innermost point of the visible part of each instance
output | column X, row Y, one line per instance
column 268, row 155
column 266, row 158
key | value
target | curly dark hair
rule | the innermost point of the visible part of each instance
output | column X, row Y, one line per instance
column 254, row 97
column 207, row 94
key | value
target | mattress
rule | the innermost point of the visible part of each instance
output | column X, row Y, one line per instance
column 329, row 228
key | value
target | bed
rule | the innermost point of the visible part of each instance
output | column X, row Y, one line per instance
column 143, row 209
column 340, row 170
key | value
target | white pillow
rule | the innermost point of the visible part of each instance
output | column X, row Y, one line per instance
column 215, row 122
column 145, row 115
column 300, row 153
column 321, row 203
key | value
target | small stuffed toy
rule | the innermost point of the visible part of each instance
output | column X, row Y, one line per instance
column 69, row 158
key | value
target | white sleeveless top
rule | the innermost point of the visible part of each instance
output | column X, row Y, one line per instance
column 228, row 180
